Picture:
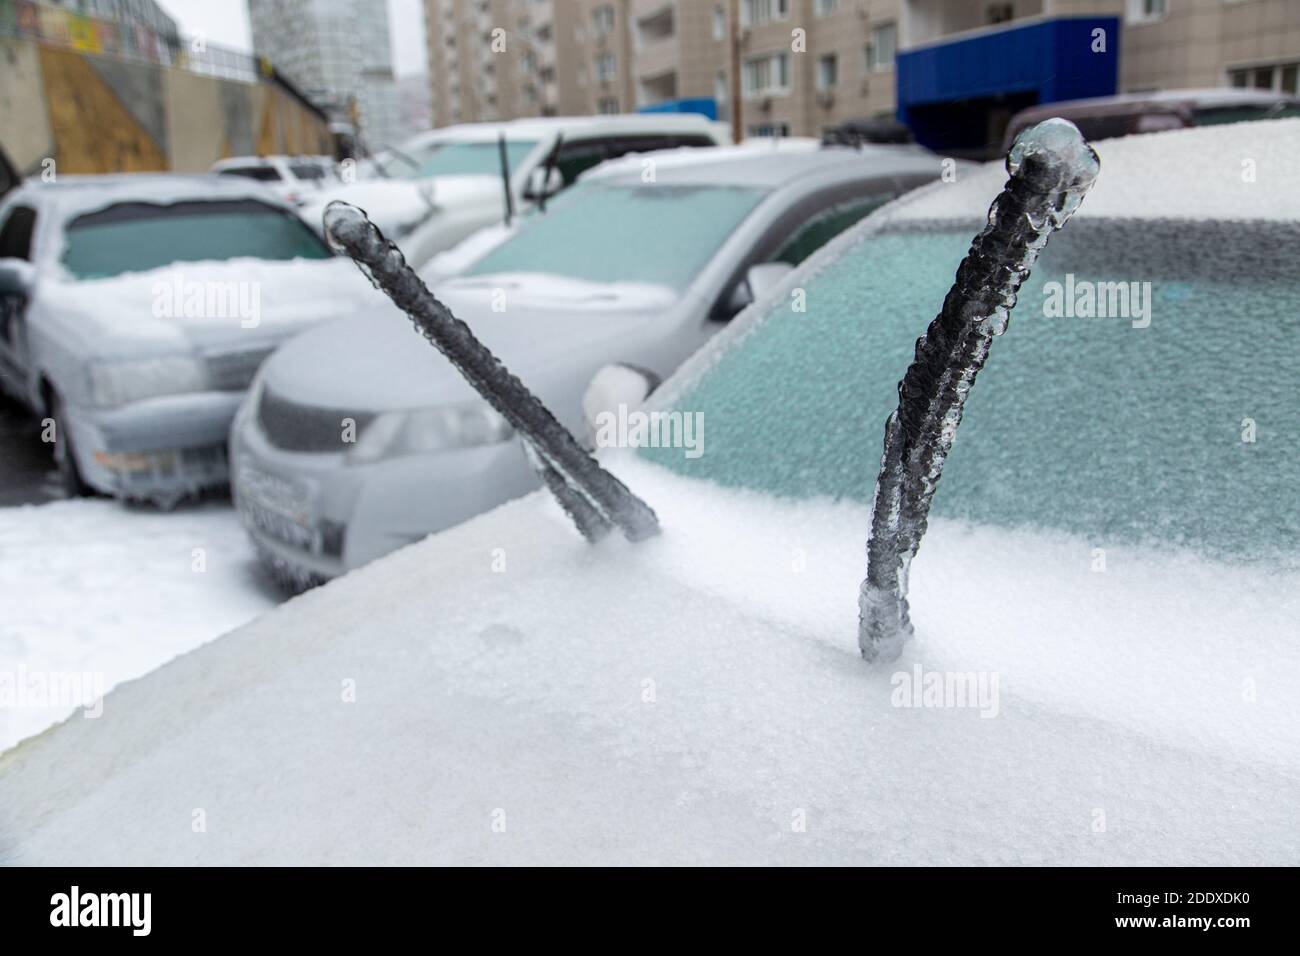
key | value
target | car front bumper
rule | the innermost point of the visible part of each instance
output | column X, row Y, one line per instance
column 159, row 449
column 315, row 516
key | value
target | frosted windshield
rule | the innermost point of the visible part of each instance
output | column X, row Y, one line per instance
column 653, row 233
column 1185, row 430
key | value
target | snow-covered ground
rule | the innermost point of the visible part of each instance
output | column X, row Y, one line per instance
column 101, row 589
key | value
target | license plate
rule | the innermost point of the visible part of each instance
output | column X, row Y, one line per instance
column 278, row 507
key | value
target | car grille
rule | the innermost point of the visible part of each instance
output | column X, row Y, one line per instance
column 234, row 371
column 293, row 427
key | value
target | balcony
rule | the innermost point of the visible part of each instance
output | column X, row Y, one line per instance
column 957, row 92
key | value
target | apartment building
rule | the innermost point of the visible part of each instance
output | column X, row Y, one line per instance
column 339, row 53
column 953, row 70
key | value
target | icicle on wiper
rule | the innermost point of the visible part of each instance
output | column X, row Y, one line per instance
column 593, row 498
column 1051, row 169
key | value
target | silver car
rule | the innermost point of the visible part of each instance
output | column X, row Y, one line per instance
column 135, row 310
column 358, row 437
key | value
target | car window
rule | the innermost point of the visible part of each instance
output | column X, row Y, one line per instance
column 307, row 170
column 1181, row 431
column 826, row 224
column 135, row 237
column 1214, row 115
column 263, row 174
column 467, row 159
column 578, row 156
column 16, row 233
column 654, row 233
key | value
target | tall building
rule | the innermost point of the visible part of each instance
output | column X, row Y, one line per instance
column 614, row 56
column 954, row 70
column 338, row 52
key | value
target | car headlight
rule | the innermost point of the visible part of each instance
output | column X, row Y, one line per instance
column 394, row 434
column 131, row 380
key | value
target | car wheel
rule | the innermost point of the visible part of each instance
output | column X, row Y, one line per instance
column 74, row 486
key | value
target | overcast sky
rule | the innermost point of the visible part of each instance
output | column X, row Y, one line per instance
column 225, row 22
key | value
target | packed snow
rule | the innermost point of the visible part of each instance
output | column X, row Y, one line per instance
column 97, row 588
column 1234, row 171
column 505, row 693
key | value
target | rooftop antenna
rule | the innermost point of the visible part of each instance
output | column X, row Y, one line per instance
column 593, row 498
column 1051, row 169
column 505, row 177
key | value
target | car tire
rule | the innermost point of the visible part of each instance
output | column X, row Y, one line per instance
column 65, row 459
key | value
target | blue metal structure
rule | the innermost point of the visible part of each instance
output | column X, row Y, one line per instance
column 957, row 94
column 700, row 104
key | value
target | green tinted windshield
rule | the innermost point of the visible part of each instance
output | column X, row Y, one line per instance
column 651, row 232
column 464, row 159
column 1185, row 432
column 136, row 237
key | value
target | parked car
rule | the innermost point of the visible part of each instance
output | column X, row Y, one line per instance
column 1105, row 117
column 358, row 439
column 292, row 178
column 1106, row 557
column 135, row 309
column 439, row 187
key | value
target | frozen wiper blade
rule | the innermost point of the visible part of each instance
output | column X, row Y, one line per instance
column 590, row 495
column 1051, row 169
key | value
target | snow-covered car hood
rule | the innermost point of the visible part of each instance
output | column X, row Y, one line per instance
column 397, row 206
column 205, row 303
column 541, row 326
column 698, row 698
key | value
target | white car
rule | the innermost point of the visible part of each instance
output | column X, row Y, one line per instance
column 1111, row 578
column 135, row 310
column 292, row 178
column 357, row 438
column 446, row 184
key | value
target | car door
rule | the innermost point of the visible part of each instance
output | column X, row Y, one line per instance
column 809, row 224
column 16, row 232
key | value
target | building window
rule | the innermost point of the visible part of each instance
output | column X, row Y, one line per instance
column 828, row 71
column 608, row 105
column 766, row 75
column 602, row 20
column 880, row 50
column 1143, row 11
column 769, row 129
column 824, row 8
column 754, row 13
column 719, row 23
column 605, row 68
column 1278, row 78
column 1000, row 13
column 720, row 91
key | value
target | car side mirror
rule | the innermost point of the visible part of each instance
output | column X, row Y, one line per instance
column 759, row 280
column 610, row 387
column 17, row 276
column 543, row 182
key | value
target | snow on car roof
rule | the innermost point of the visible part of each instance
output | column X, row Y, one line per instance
column 77, row 195
column 682, row 700
column 544, row 127
column 748, row 166
column 1234, row 171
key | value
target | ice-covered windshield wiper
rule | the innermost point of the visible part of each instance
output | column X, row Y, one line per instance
column 1051, row 169
column 592, row 497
